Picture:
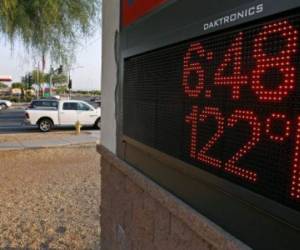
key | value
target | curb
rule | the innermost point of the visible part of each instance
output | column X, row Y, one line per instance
column 76, row 145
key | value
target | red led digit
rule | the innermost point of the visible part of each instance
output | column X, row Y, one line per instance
column 281, row 62
column 209, row 111
column 192, row 119
column 295, row 185
column 287, row 127
column 234, row 57
column 253, row 121
column 208, row 93
column 209, row 55
column 189, row 67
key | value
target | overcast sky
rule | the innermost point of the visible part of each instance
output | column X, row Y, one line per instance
column 86, row 76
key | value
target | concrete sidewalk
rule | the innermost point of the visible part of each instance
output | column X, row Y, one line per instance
column 91, row 137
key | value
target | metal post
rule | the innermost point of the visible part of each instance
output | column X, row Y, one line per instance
column 68, row 84
column 38, row 83
column 51, row 77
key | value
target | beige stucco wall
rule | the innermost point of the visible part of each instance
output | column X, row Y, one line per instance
column 137, row 214
column 110, row 17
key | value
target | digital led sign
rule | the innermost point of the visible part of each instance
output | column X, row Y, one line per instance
column 228, row 103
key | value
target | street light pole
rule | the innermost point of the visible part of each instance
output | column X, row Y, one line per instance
column 38, row 83
column 70, row 80
column 50, row 80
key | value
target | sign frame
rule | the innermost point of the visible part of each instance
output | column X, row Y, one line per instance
column 267, row 214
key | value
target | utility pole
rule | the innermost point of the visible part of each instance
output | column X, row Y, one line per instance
column 51, row 79
column 38, row 83
column 70, row 82
column 69, row 85
column 50, row 84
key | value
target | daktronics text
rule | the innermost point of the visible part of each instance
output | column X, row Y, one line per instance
column 233, row 17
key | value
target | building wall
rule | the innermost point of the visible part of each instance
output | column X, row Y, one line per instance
column 136, row 213
column 110, row 17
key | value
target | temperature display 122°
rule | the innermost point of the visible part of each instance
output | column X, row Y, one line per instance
column 228, row 103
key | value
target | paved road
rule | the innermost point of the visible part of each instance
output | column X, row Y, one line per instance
column 11, row 117
column 11, row 121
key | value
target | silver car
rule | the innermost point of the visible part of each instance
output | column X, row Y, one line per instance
column 4, row 104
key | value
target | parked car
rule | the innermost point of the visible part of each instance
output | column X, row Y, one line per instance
column 54, row 97
column 4, row 104
column 47, row 114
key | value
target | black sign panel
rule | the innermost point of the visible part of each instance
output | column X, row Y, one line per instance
column 226, row 103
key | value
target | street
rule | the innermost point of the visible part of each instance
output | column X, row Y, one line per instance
column 11, row 117
column 11, row 121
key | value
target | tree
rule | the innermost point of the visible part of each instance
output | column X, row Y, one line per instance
column 49, row 26
column 56, row 78
column 3, row 85
column 38, row 76
column 61, row 90
column 27, row 80
column 17, row 85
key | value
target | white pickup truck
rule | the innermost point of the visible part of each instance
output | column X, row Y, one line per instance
column 47, row 114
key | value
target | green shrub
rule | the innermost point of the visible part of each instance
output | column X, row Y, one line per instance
column 14, row 99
